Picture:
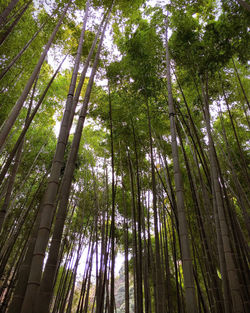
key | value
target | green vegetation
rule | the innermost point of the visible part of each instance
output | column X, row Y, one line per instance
column 124, row 141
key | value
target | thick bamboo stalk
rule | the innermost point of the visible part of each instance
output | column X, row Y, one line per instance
column 190, row 296
column 52, row 188
column 45, row 292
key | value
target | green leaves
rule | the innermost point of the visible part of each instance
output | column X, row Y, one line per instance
column 206, row 45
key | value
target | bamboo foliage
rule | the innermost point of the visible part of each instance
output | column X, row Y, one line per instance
column 124, row 168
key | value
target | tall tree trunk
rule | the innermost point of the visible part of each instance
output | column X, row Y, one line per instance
column 218, row 202
column 158, row 264
column 15, row 232
column 84, row 71
column 168, row 273
column 146, row 271
column 208, row 259
column 190, row 296
column 52, row 188
column 139, row 219
column 126, row 265
column 79, row 253
column 45, row 292
column 84, row 280
column 134, row 230
column 70, row 250
column 194, row 133
column 23, row 273
column 112, row 227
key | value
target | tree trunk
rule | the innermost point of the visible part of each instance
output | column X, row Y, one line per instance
column 193, row 131
column 126, row 266
column 134, row 230
column 45, row 292
column 51, row 192
column 139, row 219
column 226, row 245
column 112, row 227
column 203, row 237
column 190, row 296
column 23, row 273
column 84, row 71
column 158, row 266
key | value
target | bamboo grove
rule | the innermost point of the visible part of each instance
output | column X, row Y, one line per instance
column 124, row 139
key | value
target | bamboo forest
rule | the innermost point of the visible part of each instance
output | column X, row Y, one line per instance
column 124, row 156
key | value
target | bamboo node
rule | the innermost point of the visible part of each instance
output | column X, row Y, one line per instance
column 34, row 283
